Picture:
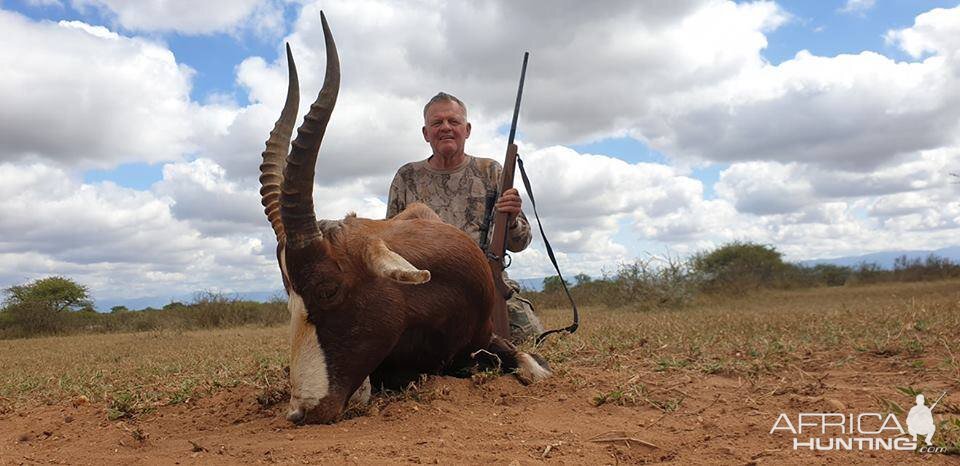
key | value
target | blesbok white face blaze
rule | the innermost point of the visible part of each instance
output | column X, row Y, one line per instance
column 309, row 381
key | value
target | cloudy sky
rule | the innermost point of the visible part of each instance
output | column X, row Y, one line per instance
column 131, row 132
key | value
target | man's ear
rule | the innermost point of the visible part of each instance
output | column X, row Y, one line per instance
column 424, row 131
column 469, row 127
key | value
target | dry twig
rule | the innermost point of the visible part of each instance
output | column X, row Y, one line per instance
column 620, row 436
column 546, row 450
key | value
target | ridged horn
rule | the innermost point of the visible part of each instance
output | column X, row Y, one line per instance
column 296, row 194
column 275, row 155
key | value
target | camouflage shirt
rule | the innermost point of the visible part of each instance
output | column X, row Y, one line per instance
column 457, row 195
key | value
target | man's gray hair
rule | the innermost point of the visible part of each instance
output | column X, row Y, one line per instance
column 444, row 97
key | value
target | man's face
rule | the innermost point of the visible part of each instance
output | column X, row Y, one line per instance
column 446, row 129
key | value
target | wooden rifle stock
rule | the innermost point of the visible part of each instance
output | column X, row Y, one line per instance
column 498, row 249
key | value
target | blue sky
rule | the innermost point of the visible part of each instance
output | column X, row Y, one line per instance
column 824, row 29
column 647, row 127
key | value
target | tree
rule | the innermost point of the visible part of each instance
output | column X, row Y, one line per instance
column 552, row 284
column 582, row 279
column 58, row 293
column 174, row 305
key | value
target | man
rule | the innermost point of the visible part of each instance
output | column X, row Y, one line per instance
column 920, row 421
column 456, row 185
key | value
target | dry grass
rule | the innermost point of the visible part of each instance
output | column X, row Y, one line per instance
column 770, row 329
column 135, row 372
column 911, row 327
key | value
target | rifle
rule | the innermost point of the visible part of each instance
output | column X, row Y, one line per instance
column 497, row 250
column 935, row 403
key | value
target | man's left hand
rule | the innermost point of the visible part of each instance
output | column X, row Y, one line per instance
column 509, row 203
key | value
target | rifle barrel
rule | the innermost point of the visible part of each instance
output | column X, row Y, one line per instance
column 935, row 403
column 516, row 107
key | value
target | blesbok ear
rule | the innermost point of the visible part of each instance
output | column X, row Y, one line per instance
column 385, row 263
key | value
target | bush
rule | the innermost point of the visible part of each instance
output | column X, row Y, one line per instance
column 652, row 283
column 931, row 268
column 739, row 267
column 25, row 319
column 831, row 275
column 656, row 283
column 865, row 272
column 800, row 276
column 553, row 284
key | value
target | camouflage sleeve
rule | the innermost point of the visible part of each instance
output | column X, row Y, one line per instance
column 519, row 236
column 395, row 197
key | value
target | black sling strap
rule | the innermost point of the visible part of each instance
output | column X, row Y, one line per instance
column 576, row 315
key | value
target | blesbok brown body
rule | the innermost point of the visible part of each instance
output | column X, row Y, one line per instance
column 381, row 298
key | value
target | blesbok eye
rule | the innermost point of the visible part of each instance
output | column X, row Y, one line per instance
column 327, row 290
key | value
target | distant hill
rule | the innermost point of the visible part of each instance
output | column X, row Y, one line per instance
column 535, row 284
column 885, row 259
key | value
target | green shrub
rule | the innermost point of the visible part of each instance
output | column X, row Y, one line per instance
column 800, row 276
column 739, row 267
column 553, row 284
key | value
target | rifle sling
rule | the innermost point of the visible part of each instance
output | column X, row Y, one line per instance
column 576, row 315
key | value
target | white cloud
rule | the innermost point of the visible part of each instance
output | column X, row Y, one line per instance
column 584, row 201
column 120, row 242
column 84, row 96
column 851, row 112
column 764, row 188
column 858, row 7
column 688, row 79
column 188, row 17
column 936, row 31
column 580, row 55
column 901, row 204
column 199, row 192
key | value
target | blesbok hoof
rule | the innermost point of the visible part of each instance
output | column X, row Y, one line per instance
column 296, row 416
column 529, row 370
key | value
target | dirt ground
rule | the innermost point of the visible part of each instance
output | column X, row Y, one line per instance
column 447, row 420
column 701, row 386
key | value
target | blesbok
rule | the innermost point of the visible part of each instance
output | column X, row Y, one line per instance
column 381, row 298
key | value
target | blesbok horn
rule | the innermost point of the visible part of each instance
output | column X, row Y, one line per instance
column 275, row 155
column 296, row 194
